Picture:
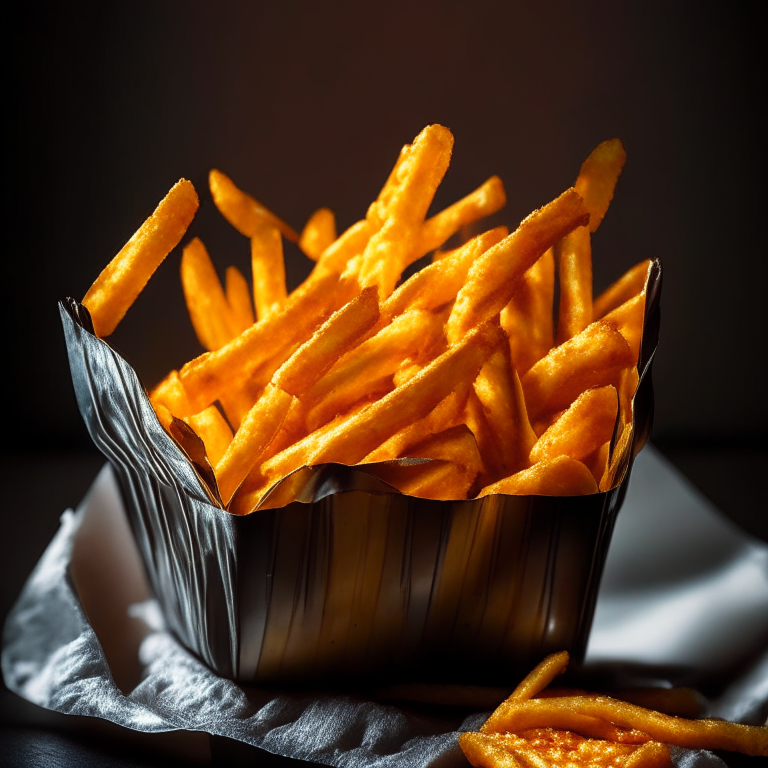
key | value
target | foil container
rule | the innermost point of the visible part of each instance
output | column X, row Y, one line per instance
column 339, row 578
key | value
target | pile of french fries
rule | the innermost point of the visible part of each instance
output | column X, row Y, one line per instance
column 461, row 363
column 536, row 728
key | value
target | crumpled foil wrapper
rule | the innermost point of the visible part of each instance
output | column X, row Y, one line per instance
column 339, row 577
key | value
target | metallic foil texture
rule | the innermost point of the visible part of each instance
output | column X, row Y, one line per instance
column 350, row 581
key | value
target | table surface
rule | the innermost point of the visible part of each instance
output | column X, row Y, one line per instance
column 39, row 487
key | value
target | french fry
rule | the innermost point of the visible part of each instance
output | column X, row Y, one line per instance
column 561, row 476
column 456, row 444
column 597, row 179
column 498, row 389
column 319, row 232
column 328, row 343
column 586, row 425
column 244, row 213
column 268, row 270
column 351, row 243
column 209, row 311
column 412, row 333
column 527, row 318
column 389, row 250
column 208, row 376
column 253, row 436
column 406, row 371
column 566, row 713
column 628, row 318
column 627, row 388
column 239, row 299
column 121, row 281
column 594, row 358
column 574, row 258
column 170, row 393
column 442, row 480
column 358, row 436
column 477, row 421
column 488, row 198
column 628, row 285
column 439, row 283
column 597, row 461
column 495, row 277
column 213, row 430
column 540, row 677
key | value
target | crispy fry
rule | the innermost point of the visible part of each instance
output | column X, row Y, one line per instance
column 439, row 283
column 376, row 214
column 406, row 371
column 540, row 677
column 574, row 258
column 485, row 200
column 358, row 436
column 653, row 754
column 319, row 232
column 683, row 702
column 213, row 430
column 268, row 269
column 351, row 243
column 171, row 394
column 597, row 461
column 390, row 249
column 328, row 343
column 628, row 285
column 121, row 281
column 597, row 179
column 498, row 389
column 527, row 318
column 627, row 388
column 456, row 444
column 582, row 429
column 239, row 299
column 565, row 713
column 628, row 318
column 561, row 476
column 208, row 376
column 253, row 436
column 413, row 333
column 442, row 480
column 244, row 213
column 207, row 305
column 594, row 358
column 618, row 458
column 496, row 275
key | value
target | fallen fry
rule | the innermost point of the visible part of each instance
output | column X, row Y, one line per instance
column 319, row 232
column 117, row 287
column 496, row 275
column 244, row 213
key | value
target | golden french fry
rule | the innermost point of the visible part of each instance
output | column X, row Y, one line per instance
column 628, row 318
column 164, row 416
column 495, row 277
column 574, row 258
column 597, row 461
column 209, row 311
column 377, row 210
column 208, row 376
column 171, row 394
column 586, row 425
column 390, row 249
column 485, row 200
column 653, row 754
column 683, row 702
column 628, row 382
column 412, row 333
column 268, row 270
column 628, row 285
column 527, row 318
column 253, row 436
column 456, row 445
column 121, row 281
column 440, row 480
column 351, row 243
column 328, row 343
column 618, row 457
column 566, row 713
column 498, row 388
column 447, row 413
column 597, row 179
column 540, row 677
column 561, row 476
column 319, row 232
column 239, row 299
column 407, row 370
column 358, row 436
column 213, row 430
column 593, row 358
column 244, row 213
column 440, row 282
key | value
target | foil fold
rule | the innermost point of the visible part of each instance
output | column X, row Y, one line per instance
column 343, row 578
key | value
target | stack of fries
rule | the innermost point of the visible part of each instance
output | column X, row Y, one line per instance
column 537, row 728
column 461, row 364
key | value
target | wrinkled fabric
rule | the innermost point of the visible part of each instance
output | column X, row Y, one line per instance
column 675, row 567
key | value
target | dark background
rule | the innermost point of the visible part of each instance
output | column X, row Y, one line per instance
column 306, row 104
